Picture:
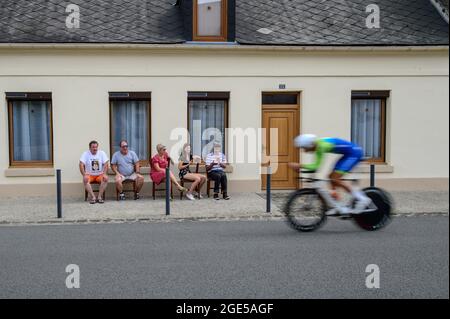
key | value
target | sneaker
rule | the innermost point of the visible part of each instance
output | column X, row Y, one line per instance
column 190, row 196
column 216, row 197
column 361, row 205
column 121, row 196
column 225, row 196
column 137, row 196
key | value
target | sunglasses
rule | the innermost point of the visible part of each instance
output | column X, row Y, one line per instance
column 124, row 146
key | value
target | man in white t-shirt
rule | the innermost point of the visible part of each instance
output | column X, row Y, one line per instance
column 94, row 166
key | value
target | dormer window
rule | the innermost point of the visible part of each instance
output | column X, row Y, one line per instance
column 210, row 20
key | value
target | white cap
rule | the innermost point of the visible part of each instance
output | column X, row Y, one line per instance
column 305, row 141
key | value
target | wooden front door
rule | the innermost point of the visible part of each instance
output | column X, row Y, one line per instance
column 285, row 118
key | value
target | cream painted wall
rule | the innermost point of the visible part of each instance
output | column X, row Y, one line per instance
column 418, row 129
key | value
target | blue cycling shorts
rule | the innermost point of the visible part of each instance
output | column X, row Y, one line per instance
column 349, row 161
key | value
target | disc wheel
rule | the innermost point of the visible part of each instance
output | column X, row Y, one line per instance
column 376, row 220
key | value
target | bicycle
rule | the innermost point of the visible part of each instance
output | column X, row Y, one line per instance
column 307, row 209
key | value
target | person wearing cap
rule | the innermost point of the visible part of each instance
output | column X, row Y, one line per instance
column 158, row 164
column 216, row 162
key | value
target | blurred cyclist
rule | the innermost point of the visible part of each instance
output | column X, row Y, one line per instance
column 351, row 153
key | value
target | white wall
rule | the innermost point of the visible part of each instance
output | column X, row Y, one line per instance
column 418, row 129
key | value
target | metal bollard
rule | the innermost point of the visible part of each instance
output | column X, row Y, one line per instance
column 167, row 191
column 268, row 190
column 372, row 175
column 58, row 193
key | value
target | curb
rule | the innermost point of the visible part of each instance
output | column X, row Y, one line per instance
column 176, row 219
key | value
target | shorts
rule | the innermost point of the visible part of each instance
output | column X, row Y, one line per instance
column 349, row 161
column 132, row 177
column 95, row 179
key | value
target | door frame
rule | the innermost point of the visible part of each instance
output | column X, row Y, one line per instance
column 297, row 129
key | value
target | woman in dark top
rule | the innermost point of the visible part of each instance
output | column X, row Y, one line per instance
column 198, row 180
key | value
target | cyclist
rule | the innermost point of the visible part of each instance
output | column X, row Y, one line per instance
column 351, row 153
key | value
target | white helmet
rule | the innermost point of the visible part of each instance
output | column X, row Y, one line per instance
column 305, row 141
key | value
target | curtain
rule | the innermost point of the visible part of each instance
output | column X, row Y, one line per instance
column 209, row 17
column 366, row 126
column 130, row 122
column 207, row 124
column 31, row 130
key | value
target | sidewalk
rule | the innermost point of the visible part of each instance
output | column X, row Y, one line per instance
column 42, row 210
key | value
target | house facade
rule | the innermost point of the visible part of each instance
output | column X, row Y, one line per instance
column 202, row 70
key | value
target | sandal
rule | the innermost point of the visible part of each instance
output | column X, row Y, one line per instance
column 100, row 201
column 93, row 201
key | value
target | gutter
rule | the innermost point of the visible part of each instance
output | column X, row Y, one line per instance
column 222, row 47
column 441, row 9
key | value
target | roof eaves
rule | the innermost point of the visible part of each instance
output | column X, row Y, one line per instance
column 441, row 8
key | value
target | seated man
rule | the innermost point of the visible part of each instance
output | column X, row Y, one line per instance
column 94, row 169
column 125, row 164
column 216, row 162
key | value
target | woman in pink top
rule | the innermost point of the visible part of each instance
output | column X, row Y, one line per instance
column 159, row 163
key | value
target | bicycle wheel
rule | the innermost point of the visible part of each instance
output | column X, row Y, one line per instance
column 305, row 210
column 380, row 218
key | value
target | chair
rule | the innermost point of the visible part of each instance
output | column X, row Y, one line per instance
column 209, row 187
column 96, row 191
column 156, row 189
column 125, row 190
column 183, row 182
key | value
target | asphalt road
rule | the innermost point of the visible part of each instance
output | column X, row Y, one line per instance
column 241, row 259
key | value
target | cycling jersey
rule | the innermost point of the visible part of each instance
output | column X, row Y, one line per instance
column 351, row 153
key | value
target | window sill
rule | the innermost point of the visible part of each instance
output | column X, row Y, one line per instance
column 379, row 168
column 29, row 172
column 144, row 171
column 202, row 169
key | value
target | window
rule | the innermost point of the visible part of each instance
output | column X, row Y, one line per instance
column 210, row 20
column 30, row 129
column 280, row 98
column 369, row 123
column 208, row 120
column 130, row 120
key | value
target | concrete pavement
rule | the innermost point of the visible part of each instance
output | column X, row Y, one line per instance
column 247, row 206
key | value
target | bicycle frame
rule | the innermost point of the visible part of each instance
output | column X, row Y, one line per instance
column 320, row 185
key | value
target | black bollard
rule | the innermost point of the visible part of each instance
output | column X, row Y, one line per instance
column 268, row 190
column 58, row 193
column 167, row 191
column 372, row 175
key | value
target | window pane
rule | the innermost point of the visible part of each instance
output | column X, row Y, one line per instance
column 130, row 122
column 31, row 130
column 209, row 17
column 271, row 99
column 207, row 124
column 367, row 126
